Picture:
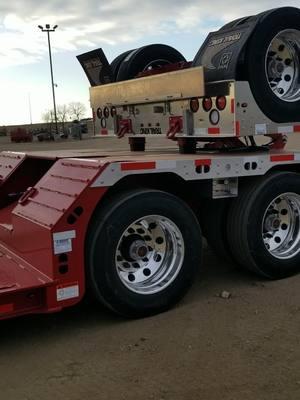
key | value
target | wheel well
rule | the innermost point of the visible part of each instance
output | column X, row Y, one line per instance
column 244, row 180
column 174, row 184
column 167, row 182
column 192, row 192
column 287, row 167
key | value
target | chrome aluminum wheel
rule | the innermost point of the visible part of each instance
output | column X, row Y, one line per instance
column 150, row 254
column 281, row 226
column 282, row 65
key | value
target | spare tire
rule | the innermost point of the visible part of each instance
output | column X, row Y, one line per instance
column 272, row 64
column 115, row 64
column 147, row 57
column 264, row 50
column 235, row 23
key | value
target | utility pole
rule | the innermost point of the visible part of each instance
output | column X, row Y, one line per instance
column 29, row 105
column 48, row 29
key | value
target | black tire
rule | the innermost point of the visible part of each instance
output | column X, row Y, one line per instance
column 140, row 59
column 108, row 224
column 269, row 26
column 245, row 220
column 213, row 215
column 235, row 23
column 115, row 64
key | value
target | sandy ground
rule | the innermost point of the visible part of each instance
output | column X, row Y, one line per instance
column 246, row 347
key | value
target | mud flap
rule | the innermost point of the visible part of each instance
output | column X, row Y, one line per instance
column 223, row 51
column 96, row 67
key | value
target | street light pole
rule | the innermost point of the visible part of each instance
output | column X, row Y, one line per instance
column 48, row 29
column 29, row 105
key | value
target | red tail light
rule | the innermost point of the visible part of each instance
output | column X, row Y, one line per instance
column 221, row 103
column 113, row 111
column 194, row 105
column 106, row 112
column 99, row 113
column 207, row 104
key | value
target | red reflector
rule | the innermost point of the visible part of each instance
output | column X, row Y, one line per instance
column 297, row 128
column 133, row 166
column 237, row 128
column 6, row 308
column 207, row 104
column 104, row 132
column 282, row 157
column 221, row 102
column 232, row 106
column 202, row 162
column 213, row 131
column 194, row 105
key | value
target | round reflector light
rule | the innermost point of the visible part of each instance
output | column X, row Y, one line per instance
column 106, row 112
column 214, row 117
column 99, row 113
column 207, row 104
column 194, row 105
column 103, row 123
column 113, row 111
column 221, row 102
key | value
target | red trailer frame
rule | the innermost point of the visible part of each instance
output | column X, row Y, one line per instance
column 47, row 203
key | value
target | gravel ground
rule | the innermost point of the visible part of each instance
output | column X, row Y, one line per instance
column 246, row 347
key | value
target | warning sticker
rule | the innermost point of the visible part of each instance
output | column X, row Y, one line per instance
column 65, row 292
column 62, row 241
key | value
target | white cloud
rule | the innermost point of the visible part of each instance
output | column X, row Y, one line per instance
column 84, row 25
column 90, row 23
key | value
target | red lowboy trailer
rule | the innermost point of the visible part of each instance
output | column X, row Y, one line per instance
column 52, row 233
column 127, row 226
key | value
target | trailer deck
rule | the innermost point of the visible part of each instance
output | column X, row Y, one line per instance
column 44, row 215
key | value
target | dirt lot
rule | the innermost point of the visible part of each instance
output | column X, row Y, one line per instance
column 246, row 347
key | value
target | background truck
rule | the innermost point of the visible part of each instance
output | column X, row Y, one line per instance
column 20, row 135
column 127, row 227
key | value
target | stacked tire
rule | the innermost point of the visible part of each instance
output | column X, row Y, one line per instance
column 269, row 60
column 130, row 63
column 266, row 54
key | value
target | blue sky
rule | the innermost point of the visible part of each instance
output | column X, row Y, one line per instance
column 85, row 25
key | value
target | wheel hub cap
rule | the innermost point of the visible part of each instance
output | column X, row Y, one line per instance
column 281, row 226
column 138, row 250
column 282, row 65
column 149, row 254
